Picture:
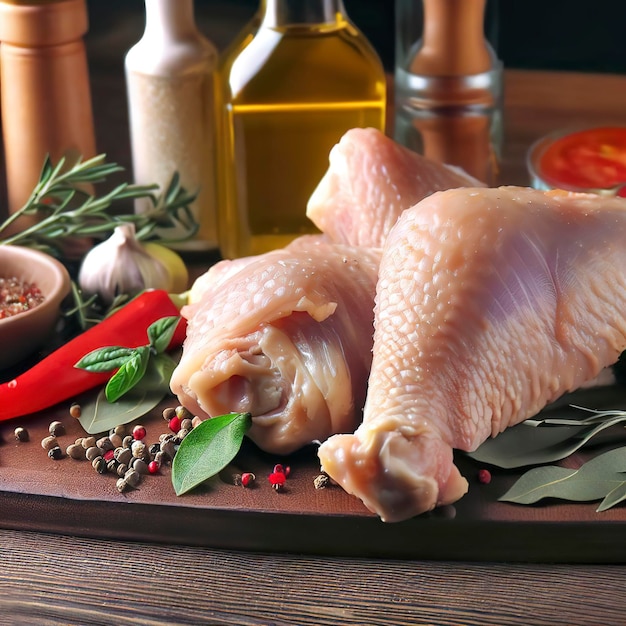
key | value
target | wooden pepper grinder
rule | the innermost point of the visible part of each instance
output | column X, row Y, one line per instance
column 449, row 87
column 46, row 100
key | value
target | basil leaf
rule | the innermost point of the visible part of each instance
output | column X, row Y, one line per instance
column 105, row 359
column 594, row 480
column 160, row 333
column 208, row 449
column 129, row 374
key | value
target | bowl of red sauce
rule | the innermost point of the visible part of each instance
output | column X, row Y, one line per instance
column 589, row 160
column 32, row 287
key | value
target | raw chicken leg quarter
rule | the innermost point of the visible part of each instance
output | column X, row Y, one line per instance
column 490, row 304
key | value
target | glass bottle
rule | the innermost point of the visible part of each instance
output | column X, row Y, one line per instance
column 295, row 80
column 46, row 97
column 448, row 84
column 169, row 80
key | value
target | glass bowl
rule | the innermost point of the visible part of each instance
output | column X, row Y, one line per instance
column 21, row 334
column 588, row 160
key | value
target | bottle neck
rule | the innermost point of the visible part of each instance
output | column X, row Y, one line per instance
column 453, row 40
column 171, row 19
column 276, row 13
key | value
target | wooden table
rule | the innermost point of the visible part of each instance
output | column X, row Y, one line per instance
column 57, row 579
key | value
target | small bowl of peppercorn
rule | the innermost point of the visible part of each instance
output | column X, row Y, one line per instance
column 32, row 287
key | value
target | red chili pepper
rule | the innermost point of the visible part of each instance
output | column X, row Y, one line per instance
column 55, row 378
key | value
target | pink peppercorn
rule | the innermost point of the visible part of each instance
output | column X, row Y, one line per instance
column 277, row 480
column 247, row 478
column 174, row 424
column 484, row 476
column 153, row 467
column 109, row 455
column 139, row 433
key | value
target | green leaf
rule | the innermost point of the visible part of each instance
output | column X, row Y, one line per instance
column 105, row 359
column 160, row 333
column 613, row 497
column 592, row 481
column 544, row 440
column 129, row 374
column 98, row 415
column 208, row 449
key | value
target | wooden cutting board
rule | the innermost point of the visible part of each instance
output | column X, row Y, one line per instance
column 69, row 497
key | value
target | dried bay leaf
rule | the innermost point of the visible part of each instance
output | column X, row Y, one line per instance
column 594, row 480
column 540, row 441
column 98, row 415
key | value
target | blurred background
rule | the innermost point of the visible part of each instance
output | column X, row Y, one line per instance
column 573, row 35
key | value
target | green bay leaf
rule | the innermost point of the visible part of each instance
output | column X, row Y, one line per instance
column 592, row 481
column 98, row 415
column 208, row 449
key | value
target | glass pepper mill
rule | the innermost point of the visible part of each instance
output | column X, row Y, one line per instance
column 448, row 85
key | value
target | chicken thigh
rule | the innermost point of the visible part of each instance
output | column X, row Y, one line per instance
column 490, row 304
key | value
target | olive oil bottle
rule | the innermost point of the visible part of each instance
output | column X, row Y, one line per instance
column 294, row 81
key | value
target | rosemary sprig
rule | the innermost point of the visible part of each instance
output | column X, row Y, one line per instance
column 65, row 209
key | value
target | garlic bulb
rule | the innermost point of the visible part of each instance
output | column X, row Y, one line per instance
column 122, row 265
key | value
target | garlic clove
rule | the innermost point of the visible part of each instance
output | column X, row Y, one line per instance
column 121, row 265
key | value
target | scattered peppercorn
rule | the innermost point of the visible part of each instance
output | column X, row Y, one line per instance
column 153, row 467
column 109, row 455
column 139, row 433
column 169, row 413
column 75, row 451
column 56, row 428
column 21, row 434
column 55, row 453
column 247, row 478
column 277, row 480
column 99, row 464
column 47, row 443
column 321, row 481
column 174, row 424
column 75, row 411
column 182, row 413
column 484, row 476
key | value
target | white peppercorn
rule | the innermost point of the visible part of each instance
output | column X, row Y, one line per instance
column 75, row 451
column 88, row 442
column 138, row 448
column 99, row 464
column 123, row 455
column 140, row 466
column 122, row 485
column 132, row 477
column 47, row 443
column 93, row 453
column 104, row 443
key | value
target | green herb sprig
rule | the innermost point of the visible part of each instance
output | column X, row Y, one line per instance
column 64, row 208
column 132, row 363
column 208, row 449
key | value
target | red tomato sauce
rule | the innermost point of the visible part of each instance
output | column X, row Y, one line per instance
column 587, row 159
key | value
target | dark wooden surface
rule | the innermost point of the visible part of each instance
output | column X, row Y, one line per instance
column 53, row 578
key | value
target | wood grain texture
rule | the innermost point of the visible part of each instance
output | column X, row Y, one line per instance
column 49, row 579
